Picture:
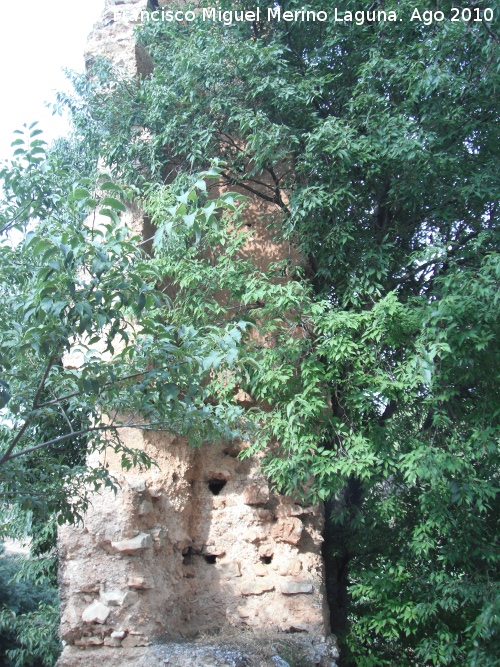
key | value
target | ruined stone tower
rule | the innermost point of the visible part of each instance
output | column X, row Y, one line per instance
column 196, row 545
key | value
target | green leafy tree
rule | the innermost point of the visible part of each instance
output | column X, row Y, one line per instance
column 29, row 615
column 376, row 361
column 378, row 144
column 87, row 348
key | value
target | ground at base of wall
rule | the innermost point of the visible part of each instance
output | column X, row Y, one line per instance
column 258, row 652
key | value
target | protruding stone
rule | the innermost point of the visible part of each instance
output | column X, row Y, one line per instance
column 218, row 502
column 256, row 494
column 297, row 627
column 263, row 516
column 254, row 535
column 266, row 551
column 291, row 568
column 118, row 634
column 181, row 540
column 82, row 641
column 89, row 587
column 296, row 588
column 112, row 641
column 113, row 597
column 159, row 536
column 130, row 598
column 145, row 507
column 134, row 546
column 97, row 612
column 134, row 640
column 288, row 530
column 289, row 509
column 260, row 570
column 256, row 587
column 95, row 641
column 129, row 533
column 212, row 549
column 140, row 583
column 137, row 485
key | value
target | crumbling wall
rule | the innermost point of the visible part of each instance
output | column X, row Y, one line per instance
column 197, row 543
column 193, row 545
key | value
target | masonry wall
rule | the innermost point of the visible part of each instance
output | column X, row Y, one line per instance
column 198, row 543
column 195, row 545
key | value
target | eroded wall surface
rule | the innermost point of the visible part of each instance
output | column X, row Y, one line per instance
column 197, row 543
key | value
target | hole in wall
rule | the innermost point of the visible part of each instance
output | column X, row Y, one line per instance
column 175, row 477
column 230, row 452
column 211, row 559
column 292, row 630
column 267, row 560
column 216, row 485
column 187, row 556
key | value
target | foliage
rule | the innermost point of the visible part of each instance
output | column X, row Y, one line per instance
column 87, row 346
column 375, row 148
column 29, row 616
column 35, row 633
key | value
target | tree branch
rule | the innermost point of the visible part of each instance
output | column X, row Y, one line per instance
column 91, row 429
column 456, row 246
column 78, row 393
column 55, row 441
column 245, row 186
column 8, row 454
column 9, row 225
column 63, row 411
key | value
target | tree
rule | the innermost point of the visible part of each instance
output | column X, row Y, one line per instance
column 90, row 345
column 375, row 359
column 28, row 617
column 378, row 143
column 86, row 344
column 87, row 349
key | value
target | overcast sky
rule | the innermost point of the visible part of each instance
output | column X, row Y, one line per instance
column 37, row 39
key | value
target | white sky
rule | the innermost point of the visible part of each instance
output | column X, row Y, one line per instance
column 37, row 39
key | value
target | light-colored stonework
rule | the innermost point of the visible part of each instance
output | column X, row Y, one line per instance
column 193, row 545
column 197, row 544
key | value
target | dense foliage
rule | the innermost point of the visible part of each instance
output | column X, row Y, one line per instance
column 29, row 615
column 377, row 357
column 85, row 347
column 377, row 144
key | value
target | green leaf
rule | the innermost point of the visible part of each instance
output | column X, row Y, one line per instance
column 81, row 193
column 108, row 185
column 115, row 204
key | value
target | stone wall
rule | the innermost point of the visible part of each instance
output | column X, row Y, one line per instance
column 199, row 543
column 193, row 545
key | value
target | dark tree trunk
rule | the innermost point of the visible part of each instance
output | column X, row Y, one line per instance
column 337, row 554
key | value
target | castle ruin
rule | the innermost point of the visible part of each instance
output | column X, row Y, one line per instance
column 198, row 544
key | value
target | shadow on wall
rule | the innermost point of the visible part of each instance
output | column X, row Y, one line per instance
column 193, row 546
